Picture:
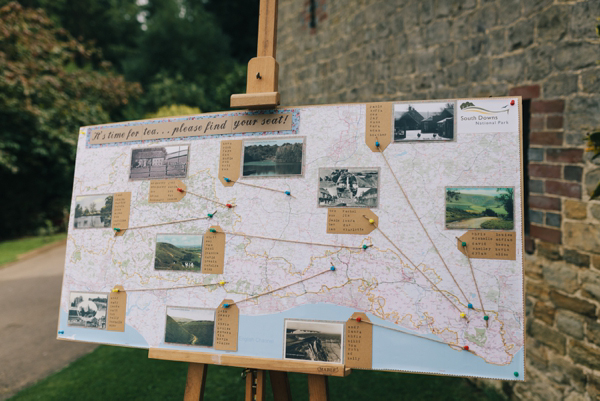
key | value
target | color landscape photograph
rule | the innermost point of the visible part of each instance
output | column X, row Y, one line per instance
column 490, row 208
column 190, row 326
column 276, row 157
column 178, row 252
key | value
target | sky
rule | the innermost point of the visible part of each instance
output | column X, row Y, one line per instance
column 421, row 107
column 477, row 191
column 173, row 149
column 86, row 201
column 274, row 142
column 323, row 327
column 195, row 314
column 184, row 240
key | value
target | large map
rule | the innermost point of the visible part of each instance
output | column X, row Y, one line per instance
column 411, row 279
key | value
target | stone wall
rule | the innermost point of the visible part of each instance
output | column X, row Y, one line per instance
column 546, row 51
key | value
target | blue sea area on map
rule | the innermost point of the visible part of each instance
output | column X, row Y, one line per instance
column 263, row 336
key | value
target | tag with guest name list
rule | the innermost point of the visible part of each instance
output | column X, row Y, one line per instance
column 350, row 221
column 115, row 313
column 120, row 212
column 163, row 191
column 226, row 326
column 359, row 342
column 489, row 245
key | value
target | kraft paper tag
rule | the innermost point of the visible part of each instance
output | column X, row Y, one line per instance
column 213, row 251
column 120, row 212
column 359, row 342
column 229, row 161
column 226, row 326
column 489, row 245
column 115, row 313
column 379, row 125
column 350, row 221
column 166, row 191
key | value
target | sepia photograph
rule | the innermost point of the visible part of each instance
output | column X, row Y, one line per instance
column 178, row 252
column 348, row 187
column 273, row 157
column 317, row 341
column 427, row 121
column 490, row 208
column 156, row 163
column 88, row 309
column 190, row 326
column 93, row 211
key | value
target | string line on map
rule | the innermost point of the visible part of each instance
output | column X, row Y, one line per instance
column 331, row 269
column 420, row 222
column 485, row 315
column 221, row 283
column 291, row 241
column 415, row 266
column 228, row 205
column 465, row 348
column 159, row 224
column 288, row 193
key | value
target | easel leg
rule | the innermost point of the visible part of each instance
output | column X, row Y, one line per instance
column 280, row 385
column 196, row 379
column 255, row 385
column 318, row 389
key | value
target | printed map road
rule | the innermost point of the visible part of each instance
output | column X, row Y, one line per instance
column 471, row 223
column 30, row 296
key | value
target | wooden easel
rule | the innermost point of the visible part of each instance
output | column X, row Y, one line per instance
column 261, row 92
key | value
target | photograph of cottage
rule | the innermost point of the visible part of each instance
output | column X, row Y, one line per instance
column 93, row 211
column 159, row 162
column 88, row 310
column 427, row 121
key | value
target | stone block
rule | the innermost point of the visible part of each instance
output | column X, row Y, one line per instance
column 545, row 234
column 582, row 236
column 544, row 312
column 537, row 290
column 563, row 371
column 576, row 258
column 508, row 69
column 549, row 251
column 533, row 270
column 561, row 188
column 590, row 284
column 535, row 154
column 581, row 26
column 544, row 170
column 479, row 70
column 580, row 116
column 533, row 6
column 539, row 62
column 596, row 261
column 520, row 35
column 592, row 178
column 553, row 219
column 535, row 216
column 548, row 336
column 552, row 23
column 570, row 323
column 564, row 155
column 575, row 55
column 560, row 85
column 575, row 209
column 573, row 304
column 584, row 354
column 561, row 276
column 595, row 211
column 590, row 80
column 536, row 187
column 593, row 332
column 573, row 173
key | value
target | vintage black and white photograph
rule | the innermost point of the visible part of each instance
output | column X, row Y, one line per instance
column 87, row 309
column 317, row 341
column 190, row 326
column 156, row 163
column 93, row 211
column 178, row 252
column 351, row 187
column 282, row 157
column 427, row 121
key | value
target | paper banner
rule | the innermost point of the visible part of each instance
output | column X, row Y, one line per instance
column 379, row 125
column 230, row 160
column 489, row 244
column 115, row 313
column 359, row 342
column 120, row 212
column 350, row 221
column 213, row 251
column 226, row 326
column 166, row 191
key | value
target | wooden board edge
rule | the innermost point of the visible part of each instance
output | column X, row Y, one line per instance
column 311, row 368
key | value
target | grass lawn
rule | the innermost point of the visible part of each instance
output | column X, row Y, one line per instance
column 115, row 373
column 9, row 250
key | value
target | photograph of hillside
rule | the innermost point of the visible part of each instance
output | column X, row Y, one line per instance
column 490, row 208
column 178, row 252
column 190, row 326
column 311, row 340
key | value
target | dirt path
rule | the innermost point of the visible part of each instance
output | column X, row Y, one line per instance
column 29, row 295
column 471, row 223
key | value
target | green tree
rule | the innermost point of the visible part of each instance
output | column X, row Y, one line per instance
column 78, row 210
column 506, row 199
column 106, row 211
column 46, row 93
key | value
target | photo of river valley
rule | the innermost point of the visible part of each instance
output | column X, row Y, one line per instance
column 313, row 341
column 274, row 157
